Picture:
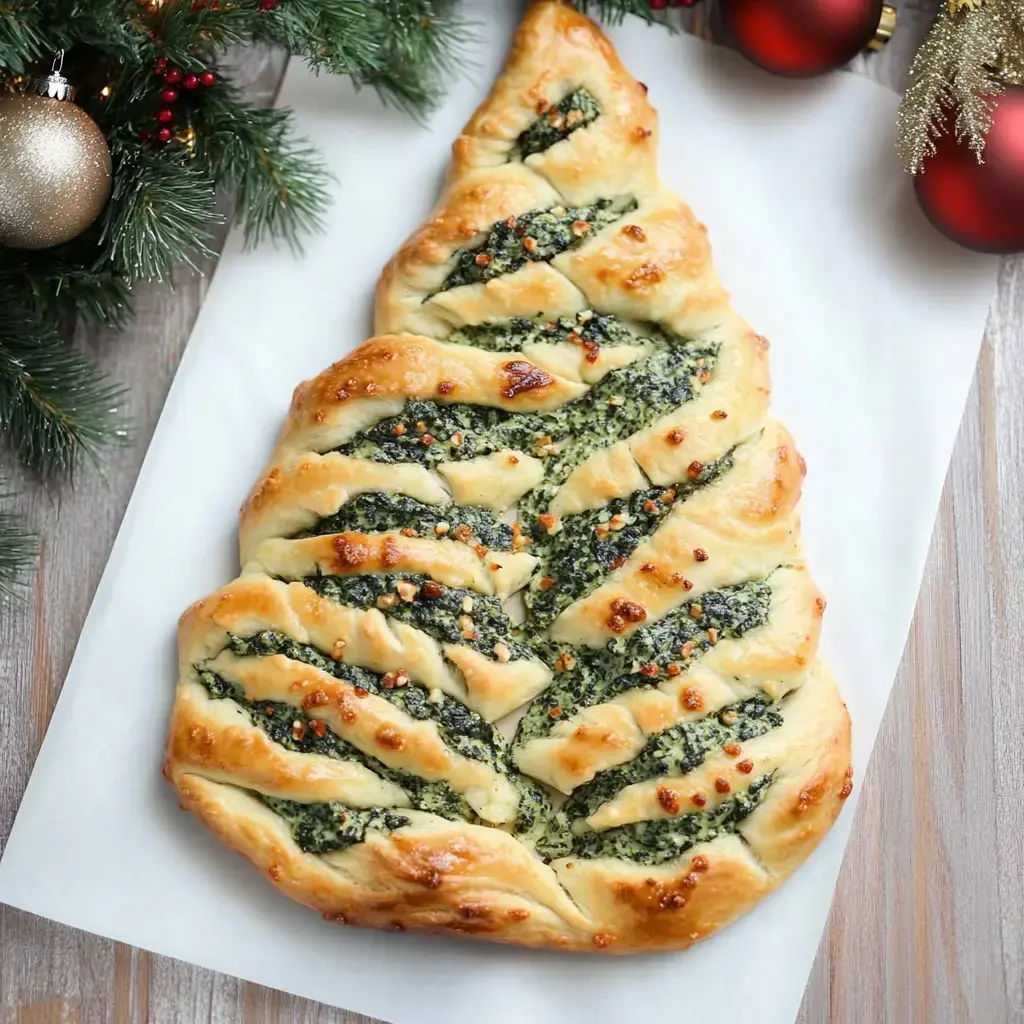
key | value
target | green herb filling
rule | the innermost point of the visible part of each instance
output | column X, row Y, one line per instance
column 588, row 329
column 655, row 842
column 585, row 549
column 440, row 611
column 621, row 403
column 293, row 729
column 323, row 828
column 534, row 237
column 558, row 122
column 430, row 432
column 594, row 677
column 461, row 728
column 377, row 512
column 677, row 751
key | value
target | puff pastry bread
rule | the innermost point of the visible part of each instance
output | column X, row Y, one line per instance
column 552, row 340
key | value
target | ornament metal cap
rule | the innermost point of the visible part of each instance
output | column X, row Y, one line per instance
column 886, row 27
column 54, row 86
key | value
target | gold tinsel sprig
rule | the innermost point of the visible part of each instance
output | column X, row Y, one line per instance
column 973, row 50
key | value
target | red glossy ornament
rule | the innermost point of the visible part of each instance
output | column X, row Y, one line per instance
column 164, row 135
column 164, row 115
column 173, row 76
column 802, row 38
column 980, row 206
column 207, row 78
column 190, row 81
column 168, row 95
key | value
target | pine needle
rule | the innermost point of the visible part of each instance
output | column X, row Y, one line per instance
column 55, row 405
column 405, row 49
column 160, row 213
column 18, row 551
column 280, row 182
column 614, row 11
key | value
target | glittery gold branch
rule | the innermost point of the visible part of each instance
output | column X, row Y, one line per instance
column 974, row 48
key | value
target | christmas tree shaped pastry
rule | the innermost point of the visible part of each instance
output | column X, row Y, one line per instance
column 598, row 723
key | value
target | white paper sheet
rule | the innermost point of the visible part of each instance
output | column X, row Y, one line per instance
column 875, row 323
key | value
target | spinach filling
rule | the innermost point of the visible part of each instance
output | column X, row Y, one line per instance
column 389, row 512
column 534, row 237
column 292, row 728
column 586, row 548
column 461, row 728
column 588, row 329
column 440, row 610
column 323, row 828
column 558, row 122
column 655, row 842
column 677, row 751
column 535, row 811
column 591, row 677
column 431, row 432
column 622, row 402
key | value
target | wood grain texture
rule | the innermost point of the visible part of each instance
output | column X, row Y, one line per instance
column 928, row 920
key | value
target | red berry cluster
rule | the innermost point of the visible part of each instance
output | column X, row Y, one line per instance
column 173, row 77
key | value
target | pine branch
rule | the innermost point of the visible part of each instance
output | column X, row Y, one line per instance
column 55, row 406
column 160, row 212
column 108, row 25
column 21, row 36
column 614, row 11
column 62, row 285
column 405, row 49
column 18, row 551
column 280, row 182
column 189, row 36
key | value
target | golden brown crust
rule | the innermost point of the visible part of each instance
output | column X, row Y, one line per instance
column 375, row 381
column 274, row 643
column 461, row 879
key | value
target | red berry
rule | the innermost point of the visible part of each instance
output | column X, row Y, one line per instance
column 207, row 78
column 268, row 5
column 173, row 76
column 190, row 81
column 168, row 95
column 164, row 115
column 164, row 135
column 143, row 136
column 659, row 5
column 161, row 62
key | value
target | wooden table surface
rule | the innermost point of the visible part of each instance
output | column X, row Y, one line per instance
column 928, row 919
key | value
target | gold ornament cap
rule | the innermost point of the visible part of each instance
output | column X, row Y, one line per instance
column 886, row 28
column 54, row 86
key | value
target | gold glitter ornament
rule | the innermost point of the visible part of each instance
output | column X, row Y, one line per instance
column 54, row 165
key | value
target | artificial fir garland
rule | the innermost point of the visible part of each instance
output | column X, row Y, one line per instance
column 149, row 73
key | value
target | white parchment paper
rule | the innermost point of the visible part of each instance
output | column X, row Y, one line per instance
column 875, row 323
